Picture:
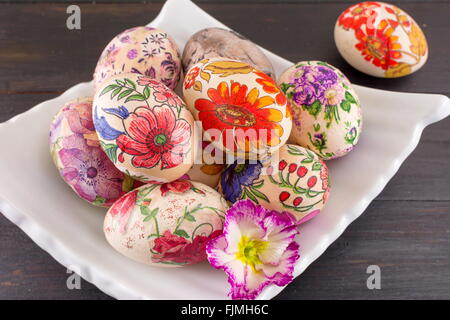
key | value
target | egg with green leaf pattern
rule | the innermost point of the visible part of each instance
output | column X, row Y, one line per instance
column 166, row 225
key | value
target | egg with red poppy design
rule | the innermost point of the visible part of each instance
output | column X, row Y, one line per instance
column 294, row 180
column 241, row 109
column 325, row 108
column 76, row 152
column 166, row 225
column 380, row 39
column 144, row 128
column 142, row 50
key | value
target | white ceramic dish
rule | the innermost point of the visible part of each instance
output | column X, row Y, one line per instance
column 34, row 197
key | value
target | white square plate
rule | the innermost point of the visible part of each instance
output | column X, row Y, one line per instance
column 34, row 197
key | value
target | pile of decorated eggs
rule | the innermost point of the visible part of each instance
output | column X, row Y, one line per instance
column 168, row 167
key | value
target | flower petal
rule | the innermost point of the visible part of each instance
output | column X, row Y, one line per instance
column 165, row 118
column 139, row 123
column 281, row 274
column 280, row 232
column 130, row 146
column 148, row 160
column 204, row 105
column 181, row 133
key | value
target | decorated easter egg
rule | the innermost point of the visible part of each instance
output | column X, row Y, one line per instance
column 241, row 109
column 76, row 152
column 216, row 42
column 141, row 50
column 166, row 225
column 295, row 180
column 325, row 108
column 207, row 165
column 144, row 128
column 380, row 39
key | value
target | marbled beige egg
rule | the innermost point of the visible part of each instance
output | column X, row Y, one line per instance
column 241, row 109
column 166, row 225
column 216, row 42
column 380, row 39
column 81, row 162
column 144, row 128
column 295, row 180
column 142, row 50
column 325, row 108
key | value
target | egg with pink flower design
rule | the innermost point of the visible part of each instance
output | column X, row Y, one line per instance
column 144, row 128
column 76, row 152
column 141, row 50
column 326, row 111
column 166, row 225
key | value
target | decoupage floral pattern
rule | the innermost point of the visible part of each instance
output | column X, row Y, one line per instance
column 141, row 50
column 325, row 108
column 386, row 37
column 82, row 163
column 244, row 106
column 295, row 181
column 166, row 225
column 144, row 127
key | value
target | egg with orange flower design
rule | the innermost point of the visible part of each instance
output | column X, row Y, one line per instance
column 144, row 128
column 241, row 109
column 380, row 39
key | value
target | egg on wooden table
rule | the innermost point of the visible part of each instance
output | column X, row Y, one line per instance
column 380, row 39
column 142, row 50
column 326, row 110
column 241, row 109
column 166, row 225
column 216, row 42
column 144, row 127
column 294, row 180
column 76, row 152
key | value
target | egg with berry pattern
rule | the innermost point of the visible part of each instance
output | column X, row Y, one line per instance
column 294, row 180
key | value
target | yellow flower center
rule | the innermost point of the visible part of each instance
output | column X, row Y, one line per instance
column 249, row 251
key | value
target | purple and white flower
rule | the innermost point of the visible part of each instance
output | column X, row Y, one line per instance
column 257, row 249
column 314, row 83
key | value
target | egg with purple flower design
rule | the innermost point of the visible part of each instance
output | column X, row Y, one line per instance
column 77, row 154
column 325, row 108
column 141, row 50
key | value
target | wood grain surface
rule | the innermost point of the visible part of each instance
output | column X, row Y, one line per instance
column 405, row 231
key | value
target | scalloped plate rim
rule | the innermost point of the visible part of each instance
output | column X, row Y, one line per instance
column 67, row 257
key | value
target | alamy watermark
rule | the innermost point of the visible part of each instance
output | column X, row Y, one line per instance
column 74, row 279
column 73, row 22
column 374, row 280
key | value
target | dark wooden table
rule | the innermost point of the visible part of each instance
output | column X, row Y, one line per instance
column 405, row 231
